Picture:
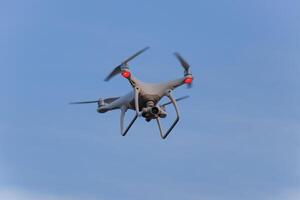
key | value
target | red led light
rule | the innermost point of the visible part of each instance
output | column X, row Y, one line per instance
column 188, row 80
column 126, row 74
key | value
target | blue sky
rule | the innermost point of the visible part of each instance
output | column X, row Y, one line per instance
column 239, row 133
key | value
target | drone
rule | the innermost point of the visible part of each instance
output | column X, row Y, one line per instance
column 144, row 97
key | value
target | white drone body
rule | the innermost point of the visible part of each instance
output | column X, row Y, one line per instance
column 144, row 97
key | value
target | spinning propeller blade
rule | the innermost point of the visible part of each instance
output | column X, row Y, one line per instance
column 123, row 65
column 183, row 63
column 116, row 71
column 105, row 101
column 136, row 54
column 178, row 99
column 84, row 102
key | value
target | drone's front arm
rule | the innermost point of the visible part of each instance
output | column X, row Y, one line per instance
column 188, row 79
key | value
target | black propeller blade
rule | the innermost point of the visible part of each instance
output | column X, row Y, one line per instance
column 106, row 101
column 178, row 99
column 114, row 72
column 84, row 102
column 183, row 63
column 123, row 65
column 136, row 54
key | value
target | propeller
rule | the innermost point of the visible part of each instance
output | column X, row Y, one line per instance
column 178, row 99
column 124, row 64
column 183, row 63
column 84, row 102
column 186, row 67
column 100, row 102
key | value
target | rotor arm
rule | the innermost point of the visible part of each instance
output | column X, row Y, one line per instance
column 187, row 79
column 175, row 83
column 123, row 111
column 162, row 134
column 132, row 79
